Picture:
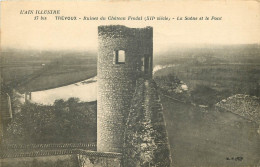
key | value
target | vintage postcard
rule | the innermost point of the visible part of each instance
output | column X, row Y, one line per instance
column 130, row 83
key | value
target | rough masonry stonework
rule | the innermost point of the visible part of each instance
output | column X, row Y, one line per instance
column 124, row 55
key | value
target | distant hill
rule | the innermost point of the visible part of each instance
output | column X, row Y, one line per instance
column 210, row 54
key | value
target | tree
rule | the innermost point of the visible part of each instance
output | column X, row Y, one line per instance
column 64, row 122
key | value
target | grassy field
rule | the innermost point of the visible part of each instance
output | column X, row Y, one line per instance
column 209, row 84
column 39, row 70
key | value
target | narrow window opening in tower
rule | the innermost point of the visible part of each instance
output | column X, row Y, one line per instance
column 150, row 67
column 142, row 64
column 146, row 64
column 119, row 56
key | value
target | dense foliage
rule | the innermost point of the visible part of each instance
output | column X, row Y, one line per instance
column 209, row 83
column 200, row 94
column 171, row 85
column 64, row 122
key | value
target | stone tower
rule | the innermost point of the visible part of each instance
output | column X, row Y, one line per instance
column 124, row 55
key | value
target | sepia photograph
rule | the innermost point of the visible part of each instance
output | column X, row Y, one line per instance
column 129, row 83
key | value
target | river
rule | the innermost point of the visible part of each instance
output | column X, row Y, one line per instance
column 84, row 90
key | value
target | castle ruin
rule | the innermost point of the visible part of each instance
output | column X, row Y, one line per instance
column 124, row 55
column 131, row 129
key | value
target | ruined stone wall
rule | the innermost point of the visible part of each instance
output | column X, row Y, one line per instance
column 42, row 161
column 4, row 148
column 116, row 82
column 101, row 160
column 60, row 158
column 146, row 140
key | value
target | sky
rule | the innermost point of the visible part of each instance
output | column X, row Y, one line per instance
column 240, row 23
